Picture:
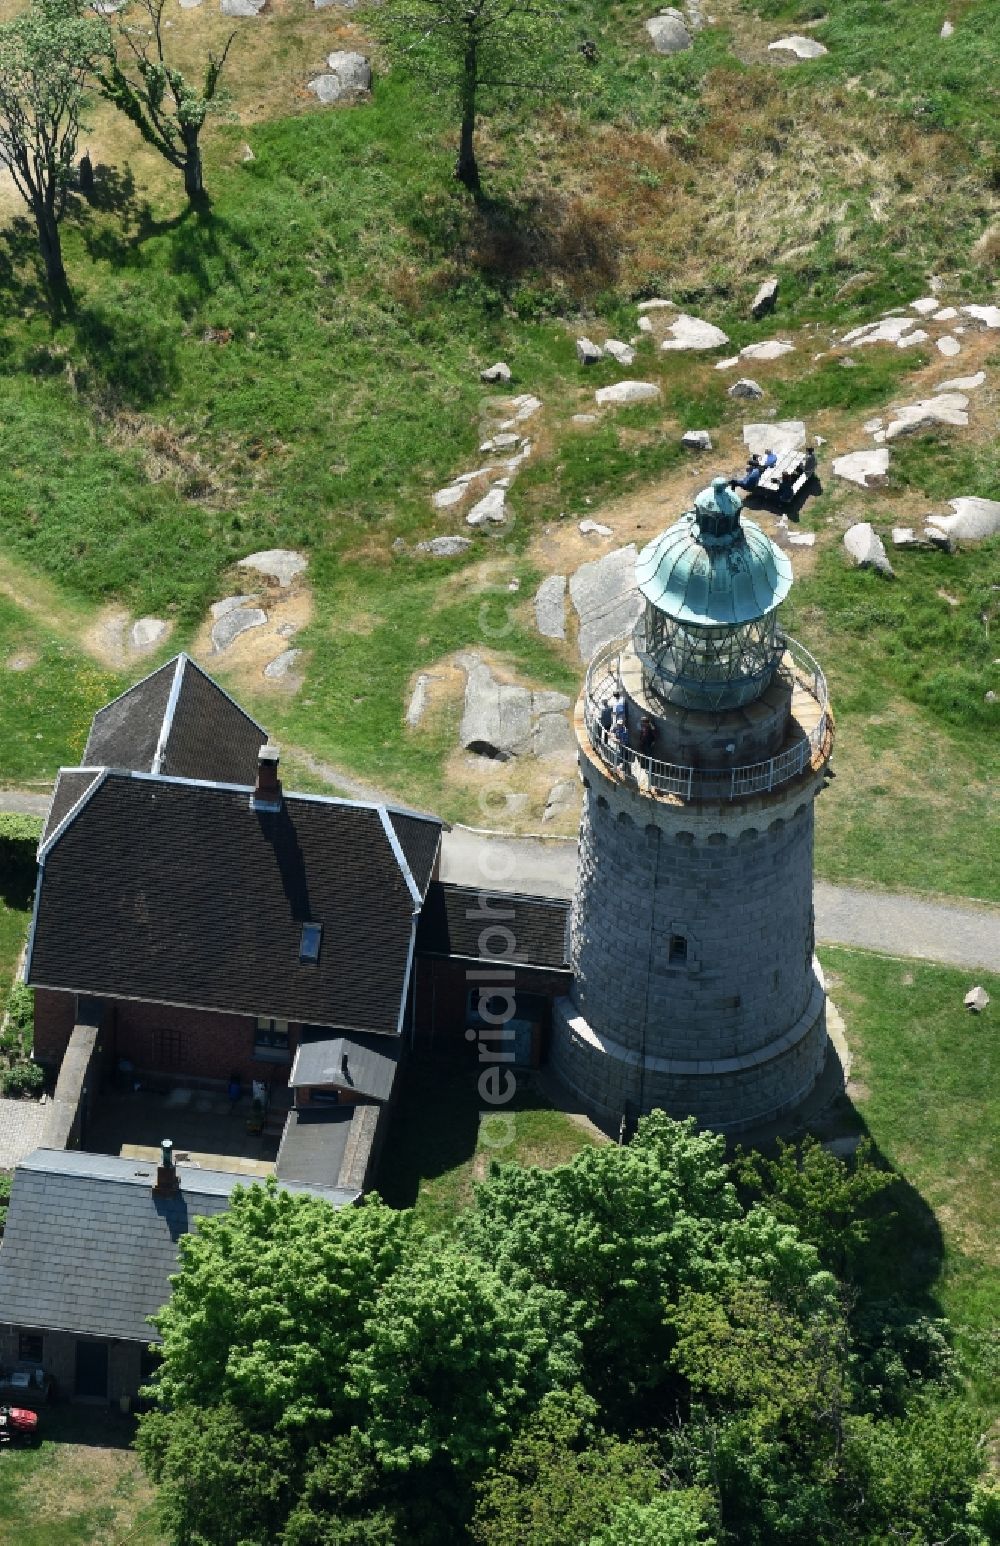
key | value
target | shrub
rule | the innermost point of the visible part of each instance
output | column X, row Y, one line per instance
column 19, row 1022
column 19, row 837
column 22, row 1078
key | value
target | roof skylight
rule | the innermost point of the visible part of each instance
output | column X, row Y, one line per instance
column 312, row 935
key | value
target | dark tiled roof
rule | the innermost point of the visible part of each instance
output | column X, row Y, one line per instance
column 87, row 1247
column 177, row 721
column 210, row 736
column 420, row 839
column 313, row 1145
column 371, row 1062
column 125, row 733
column 71, row 785
column 455, row 921
column 179, row 892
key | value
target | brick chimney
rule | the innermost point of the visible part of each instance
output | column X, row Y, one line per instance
column 267, row 791
column 167, row 1183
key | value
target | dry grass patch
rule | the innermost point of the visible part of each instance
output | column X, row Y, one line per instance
column 43, row 602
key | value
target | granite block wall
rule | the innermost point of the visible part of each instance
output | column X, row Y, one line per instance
column 695, row 985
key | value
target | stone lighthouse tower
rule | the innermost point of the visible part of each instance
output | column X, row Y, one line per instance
column 695, row 987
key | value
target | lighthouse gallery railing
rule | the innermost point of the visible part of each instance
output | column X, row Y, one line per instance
column 690, row 783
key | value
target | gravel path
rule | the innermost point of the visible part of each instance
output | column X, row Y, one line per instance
column 957, row 933
column 14, row 802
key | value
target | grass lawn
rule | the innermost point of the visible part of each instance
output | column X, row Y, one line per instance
column 17, row 889
column 917, row 755
column 925, row 1084
column 82, row 1485
column 15, row 915
column 299, row 367
column 443, row 1138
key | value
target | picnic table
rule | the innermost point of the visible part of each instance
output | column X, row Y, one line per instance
column 788, row 461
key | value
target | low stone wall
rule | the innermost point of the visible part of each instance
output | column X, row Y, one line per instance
column 364, row 1145
column 66, row 1118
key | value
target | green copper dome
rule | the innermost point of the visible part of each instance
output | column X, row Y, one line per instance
column 712, row 569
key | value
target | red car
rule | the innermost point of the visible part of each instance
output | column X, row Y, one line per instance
column 18, row 1425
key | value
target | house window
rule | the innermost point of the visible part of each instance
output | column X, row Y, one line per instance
column 167, row 1047
column 29, row 1347
column 678, row 951
column 312, row 935
column 271, row 1040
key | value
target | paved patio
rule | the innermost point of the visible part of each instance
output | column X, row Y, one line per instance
column 206, row 1129
column 21, row 1123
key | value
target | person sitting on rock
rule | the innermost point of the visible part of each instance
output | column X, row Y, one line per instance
column 770, row 459
column 786, row 488
column 807, row 466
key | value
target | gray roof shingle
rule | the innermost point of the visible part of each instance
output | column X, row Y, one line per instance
column 371, row 1062
column 420, row 838
column 71, row 785
column 89, row 1249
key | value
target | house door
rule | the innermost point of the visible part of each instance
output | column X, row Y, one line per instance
column 92, row 1370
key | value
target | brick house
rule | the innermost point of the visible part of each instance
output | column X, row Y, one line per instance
column 211, row 915
column 198, row 927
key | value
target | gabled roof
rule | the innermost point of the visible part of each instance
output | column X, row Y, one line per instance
column 177, row 721
column 179, row 892
column 370, row 1062
column 71, row 786
column 420, row 838
column 89, row 1249
column 472, row 924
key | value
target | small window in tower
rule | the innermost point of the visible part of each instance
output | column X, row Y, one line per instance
column 312, row 934
column 678, row 952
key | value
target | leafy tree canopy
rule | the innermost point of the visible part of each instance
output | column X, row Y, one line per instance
column 479, row 53
column 270, row 1306
column 45, row 55
column 627, row 1349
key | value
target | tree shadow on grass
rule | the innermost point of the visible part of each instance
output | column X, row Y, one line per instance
column 131, row 358
column 434, row 1127
column 119, row 244
column 558, row 238
column 17, row 876
column 93, row 1426
column 204, row 246
column 21, row 286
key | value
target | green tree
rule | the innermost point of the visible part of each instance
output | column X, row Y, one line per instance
column 270, row 1307
column 561, row 1478
column 837, row 1204
column 343, row 1500
column 478, row 52
column 221, row 1480
column 455, row 1358
column 770, row 1390
column 913, row 1479
column 45, row 56
column 621, row 1233
column 165, row 107
column 672, row 1519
